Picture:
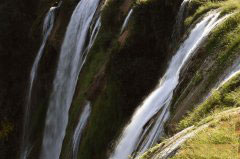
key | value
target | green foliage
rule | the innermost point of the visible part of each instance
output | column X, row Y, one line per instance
column 223, row 44
column 226, row 97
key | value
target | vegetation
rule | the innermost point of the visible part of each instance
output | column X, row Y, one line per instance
column 98, row 57
column 219, row 140
column 226, row 97
column 5, row 129
column 220, row 50
column 199, row 7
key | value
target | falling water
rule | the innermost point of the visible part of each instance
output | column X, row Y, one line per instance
column 157, row 103
column 79, row 129
column 179, row 20
column 235, row 70
column 95, row 32
column 125, row 23
column 69, row 66
column 47, row 28
column 93, row 37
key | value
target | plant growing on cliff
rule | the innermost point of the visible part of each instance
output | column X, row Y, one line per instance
column 5, row 129
column 224, row 98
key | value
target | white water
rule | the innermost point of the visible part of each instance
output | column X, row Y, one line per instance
column 95, row 31
column 93, row 37
column 47, row 28
column 125, row 23
column 160, row 98
column 235, row 70
column 79, row 129
column 69, row 66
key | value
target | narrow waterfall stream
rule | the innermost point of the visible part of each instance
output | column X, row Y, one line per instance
column 179, row 21
column 93, row 37
column 69, row 66
column 125, row 23
column 95, row 31
column 79, row 129
column 235, row 70
column 47, row 28
column 157, row 103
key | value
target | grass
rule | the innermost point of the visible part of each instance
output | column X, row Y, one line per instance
column 219, row 140
column 224, row 98
column 200, row 7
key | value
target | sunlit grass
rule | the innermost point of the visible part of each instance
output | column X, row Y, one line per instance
column 219, row 140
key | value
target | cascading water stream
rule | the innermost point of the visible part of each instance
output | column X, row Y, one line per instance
column 79, row 129
column 69, row 66
column 47, row 28
column 231, row 72
column 95, row 31
column 125, row 23
column 235, row 70
column 157, row 103
column 179, row 21
column 93, row 37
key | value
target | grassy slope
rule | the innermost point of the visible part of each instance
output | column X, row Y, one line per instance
column 220, row 140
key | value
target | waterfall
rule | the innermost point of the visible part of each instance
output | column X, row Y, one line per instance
column 47, row 28
column 79, row 129
column 69, row 66
column 125, row 23
column 157, row 103
column 235, row 70
column 95, row 32
column 93, row 37
column 179, row 20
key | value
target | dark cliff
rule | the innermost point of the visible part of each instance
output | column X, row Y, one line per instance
column 119, row 72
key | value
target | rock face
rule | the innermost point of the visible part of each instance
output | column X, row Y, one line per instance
column 17, row 51
column 115, row 79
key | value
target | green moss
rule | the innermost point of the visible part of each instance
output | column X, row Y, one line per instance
column 5, row 130
column 105, row 44
column 224, row 45
column 226, row 97
column 197, row 78
column 200, row 7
